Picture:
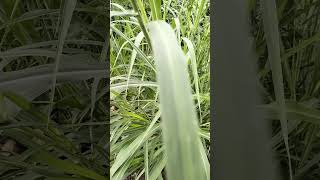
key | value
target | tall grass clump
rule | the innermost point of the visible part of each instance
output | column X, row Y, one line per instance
column 53, row 90
column 159, row 85
column 287, row 43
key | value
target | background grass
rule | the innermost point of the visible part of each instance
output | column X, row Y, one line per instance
column 66, row 136
column 135, row 96
column 137, row 148
column 53, row 89
column 292, row 52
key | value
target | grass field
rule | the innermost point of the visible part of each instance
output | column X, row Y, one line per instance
column 287, row 44
column 53, row 83
column 57, row 120
column 159, row 60
column 293, row 83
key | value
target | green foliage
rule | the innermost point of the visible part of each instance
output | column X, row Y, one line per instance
column 287, row 41
column 151, row 137
column 53, row 66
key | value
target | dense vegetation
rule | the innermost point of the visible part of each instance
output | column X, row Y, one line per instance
column 297, row 39
column 53, row 89
column 54, row 103
column 147, row 62
column 135, row 98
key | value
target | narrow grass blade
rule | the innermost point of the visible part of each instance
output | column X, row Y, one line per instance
column 315, row 160
column 155, row 9
column 142, row 11
column 141, row 21
column 179, row 119
column 294, row 111
column 156, row 170
column 121, row 13
column 68, row 9
column 134, row 55
column 146, row 161
column 94, row 90
column 199, row 14
column 68, row 166
column 194, row 71
column 29, row 15
column 302, row 45
column 34, row 81
column 133, row 46
column 270, row 22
